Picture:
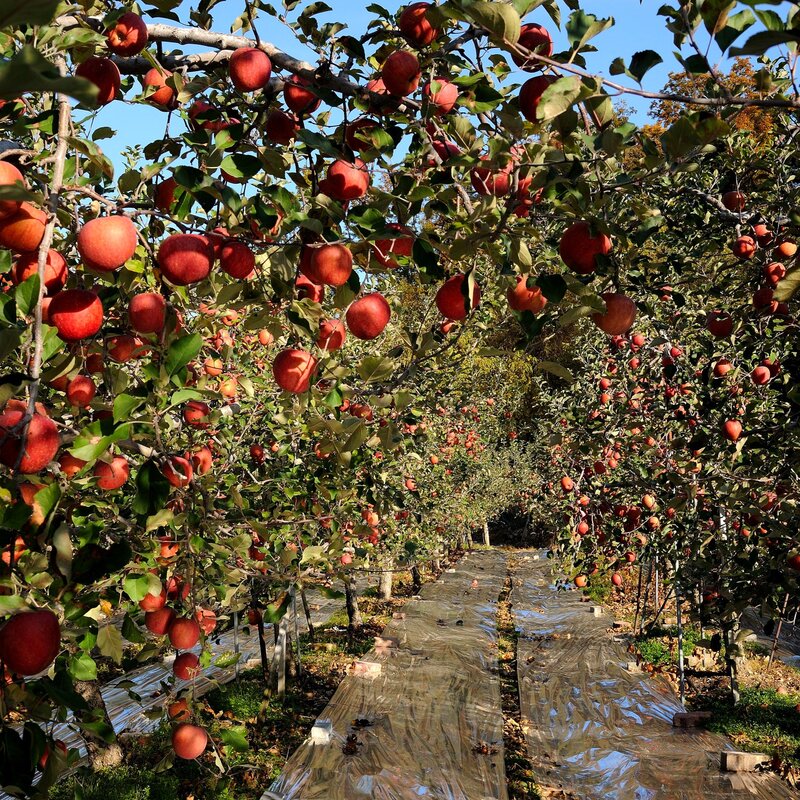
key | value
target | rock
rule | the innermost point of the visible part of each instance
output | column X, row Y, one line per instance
column 736, row 761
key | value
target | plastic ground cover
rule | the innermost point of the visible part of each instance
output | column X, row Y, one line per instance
column 435, row 723
column 598, row 731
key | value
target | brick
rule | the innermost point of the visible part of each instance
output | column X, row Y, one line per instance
column 321, row 731
column 736, row 761
column 369, row 669
column 690, row 719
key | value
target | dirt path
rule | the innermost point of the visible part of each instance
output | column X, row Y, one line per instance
column 596, row 731
column 434, row 725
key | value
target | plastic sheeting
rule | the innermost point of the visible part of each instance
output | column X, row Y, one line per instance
column 430, row 725
column 597, row 730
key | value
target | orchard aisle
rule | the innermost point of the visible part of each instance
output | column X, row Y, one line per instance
column 430, row 724
column 597, row 730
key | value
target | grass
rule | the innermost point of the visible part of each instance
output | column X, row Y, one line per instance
column 599, row 588
column 120, row 783
column 763, row 721
column 655, row 650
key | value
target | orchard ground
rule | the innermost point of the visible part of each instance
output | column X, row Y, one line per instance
column 370, row 283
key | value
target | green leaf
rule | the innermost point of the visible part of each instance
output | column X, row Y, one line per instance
column 124, row 405
column 759, row 43
column 737, row 24
column 26, row 295
column 63, row 547
column 581, row 27
column 642, row 62
column 82, row 667
column 558, row 97
column 554, row 368
column 501, row 20
column 715, row 14
column 131, row 632
column 235, row 738
column 30, row 71
column 136, row 587
column 109, row 643
column 182, row 351
column 788, row 286
column 373, row 369
column 152, row 489
column 553, row 287
column 31, row 12
column 241, row 165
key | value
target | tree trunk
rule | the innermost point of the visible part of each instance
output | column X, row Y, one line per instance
column 416, row 578
column 486, row 534
column 354, row 620
column 385, row 586
column 102, row 755
column 262, row 644
column 730, row 630
column 307, row 612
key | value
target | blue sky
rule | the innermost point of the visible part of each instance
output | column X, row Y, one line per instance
column 637, row 27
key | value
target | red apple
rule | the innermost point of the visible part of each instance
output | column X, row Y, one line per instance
column 23, row 230
column 332, row 334
column 147, row 312
column 106, row 243
column 104, row 74
column 415, row 27
column 250, row 69
column 293, row 370
column 328, row 264
column 30, row 641
column 401, row 73
column 76, row 314
column 299, row 97
column 111, row 476
column 619, row 314
column 55, row 269
column 189, row 741
column 185, row 258
column 579, row 248
column 128, row 36
column 451, row 299
column 368, row 316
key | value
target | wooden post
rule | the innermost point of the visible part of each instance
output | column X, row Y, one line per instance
column 486, row 534
column 236, row 642
column 385, row 585
column 681, row 675
column 778, row 632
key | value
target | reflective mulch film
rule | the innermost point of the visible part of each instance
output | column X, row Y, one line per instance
column 430, row 725
column 597, row 730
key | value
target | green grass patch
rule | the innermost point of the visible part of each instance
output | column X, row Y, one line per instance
column 659, row 646
column 763, row 721
column 120, row 783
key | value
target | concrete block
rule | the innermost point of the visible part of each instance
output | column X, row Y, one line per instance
column 399, row 615
column 632, row 666
column 534, row 558
column 597, row 611
column 321, row 731
column 736, row 761
column 367, row 669
column 690, row 719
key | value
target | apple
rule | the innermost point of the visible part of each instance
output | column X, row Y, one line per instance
column 451, row 299
column 616, row 579
column 567, row 484
column 147, row 312
column 732, row 429
column 495, row 181
column 9, row 176
column 195, row 413
column 250, row 69
column 30, row 641
column 159, row 621
column 415, row 27
column 111, row 476
column 202, row 459
column 164, row 194
column 441, row 94
column 774, row 272
column 293, row 370
column 128, row 36
column 106, row 243
column 184, row 633
column 786, row 249
column 186, row 666
column 328, row 264
column 619, row 315
column 237, row 259
column 401, row 73
column 206, row 619
column 760, row 376
column 346, row 181
column 309, row 289
column 332, row 334
column 179, row 711
column 368, row 316
column 185, row 258
column 357, row 136
column 384, row 250
column 581, row 581
column 23, row 230
column 535, row 38
column 299, row 97
column 522, row 298
column 744, row 247
column 281, row 127
column 719, row 324
column 70, row 465
column 154, row 602
column 41, row 440
column 734, row 201
column 55, row 269
column 178, row 471
column 258, row 453
column 104, row 74
column 159, row 93
column 531, row 93
column 189, row 741
column 81, row 391
column 123, row 348
column 579, row 248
